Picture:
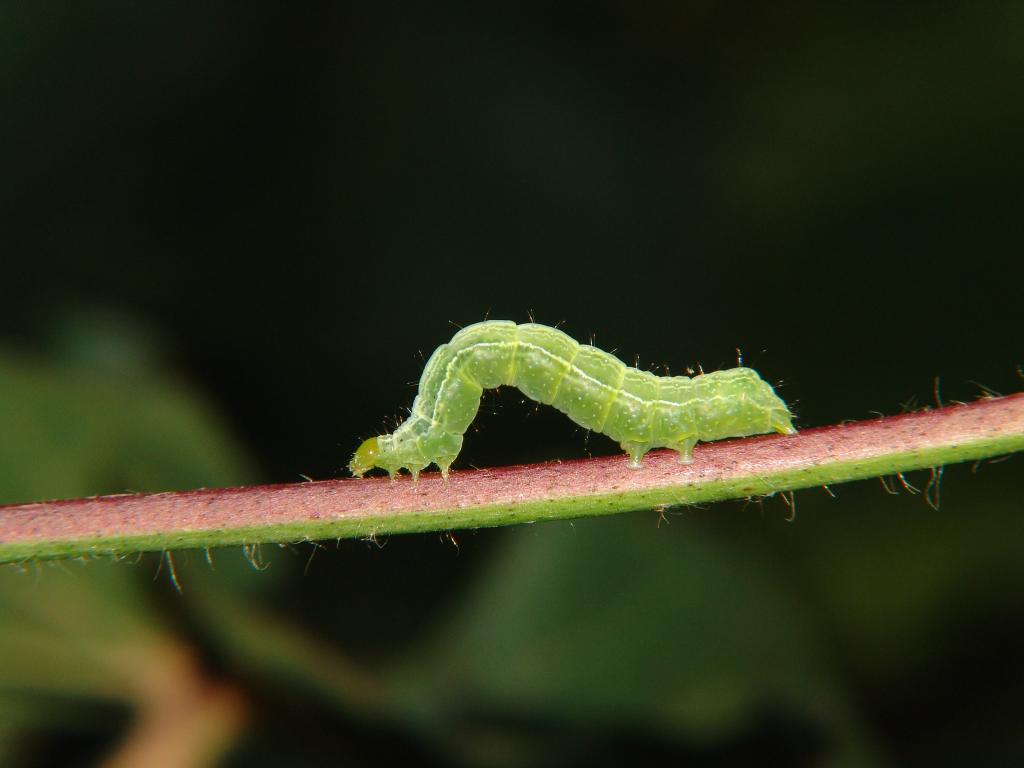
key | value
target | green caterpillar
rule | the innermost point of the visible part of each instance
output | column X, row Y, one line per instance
column 593, row 388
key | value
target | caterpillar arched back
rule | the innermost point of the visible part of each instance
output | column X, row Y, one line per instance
column 593, row 388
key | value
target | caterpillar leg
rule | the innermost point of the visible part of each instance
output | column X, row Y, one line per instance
column 685, row 449
column 443, row 463
column 415, row 469
column 636, row 453
column 442, row 451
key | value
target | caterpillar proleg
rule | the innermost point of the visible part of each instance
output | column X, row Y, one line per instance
column 595, row 389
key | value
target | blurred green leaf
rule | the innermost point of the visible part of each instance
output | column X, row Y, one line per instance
column 611, row 625
column 72, row 430
column 899, row 580
column 79, row 632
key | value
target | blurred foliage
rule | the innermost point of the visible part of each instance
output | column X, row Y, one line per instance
column 99, row 424
column 715, row 635
column 222, row 230
column 93, row 420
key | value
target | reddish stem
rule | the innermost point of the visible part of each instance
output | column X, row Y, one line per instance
column 512, row 494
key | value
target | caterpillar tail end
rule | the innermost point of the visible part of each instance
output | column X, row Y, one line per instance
column 783, row 424
column 365, row 458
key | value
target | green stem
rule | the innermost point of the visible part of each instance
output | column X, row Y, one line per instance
column 504, row 496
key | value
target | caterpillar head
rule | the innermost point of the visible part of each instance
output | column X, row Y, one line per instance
column 365, row 457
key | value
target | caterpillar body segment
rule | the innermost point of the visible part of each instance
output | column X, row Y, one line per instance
column 595, row 389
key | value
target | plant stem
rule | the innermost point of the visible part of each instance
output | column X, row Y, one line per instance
column 507, row 495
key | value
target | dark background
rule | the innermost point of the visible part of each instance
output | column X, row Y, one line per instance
column 276, row 212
